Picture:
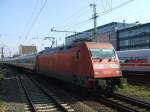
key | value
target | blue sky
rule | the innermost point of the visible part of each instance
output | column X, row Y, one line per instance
column 16, row 17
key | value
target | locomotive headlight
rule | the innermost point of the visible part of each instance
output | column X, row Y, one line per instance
column 97, row 72
column 118, row 72
column 114, row 65
column 98, row 66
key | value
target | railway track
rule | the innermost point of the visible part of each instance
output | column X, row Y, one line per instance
column 39, row 100
column 43, row 102
column 141, row 79
column 125, row 104
column 116, row 101
column 133, row 101
column 139, row 82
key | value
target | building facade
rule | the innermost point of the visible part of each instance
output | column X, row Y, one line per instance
column 105, row 33
column 136, row 37
column 27, row 50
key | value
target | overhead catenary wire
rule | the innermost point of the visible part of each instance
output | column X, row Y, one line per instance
column 68, row 26
column 116, row 7
column 105, row 12
column 106, row 4
column 2, row 35
column 32, row 15
column 15, row 34
column 78, row 23
column 101, row 14
column 137, row 13
column 36, row 18
column 78, row 13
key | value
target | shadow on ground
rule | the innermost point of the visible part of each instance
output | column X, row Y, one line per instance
column 9, row 89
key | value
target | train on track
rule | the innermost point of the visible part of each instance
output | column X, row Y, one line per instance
column 137, row 61
column 91, row 65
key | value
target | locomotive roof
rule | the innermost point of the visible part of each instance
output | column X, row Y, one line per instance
column 98, row 45
column 66, row 47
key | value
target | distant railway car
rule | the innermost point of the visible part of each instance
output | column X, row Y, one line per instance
column 135, row 60
column 26, row 61
column 87, row 64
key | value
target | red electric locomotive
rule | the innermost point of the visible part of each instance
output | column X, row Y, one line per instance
column 87, row 64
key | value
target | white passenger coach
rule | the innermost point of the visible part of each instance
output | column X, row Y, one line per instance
column 135, row 60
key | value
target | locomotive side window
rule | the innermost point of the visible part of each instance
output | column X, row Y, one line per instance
column 78, row 54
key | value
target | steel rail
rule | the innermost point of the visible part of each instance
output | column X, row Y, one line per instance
column 132, row 100
column 31, row 104
column 50, row 95
column 141, row 82
column 116, row 105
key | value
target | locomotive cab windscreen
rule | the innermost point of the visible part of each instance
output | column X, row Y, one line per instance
column 99, row 53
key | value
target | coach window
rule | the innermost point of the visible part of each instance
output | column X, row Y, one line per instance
column 78, row 54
